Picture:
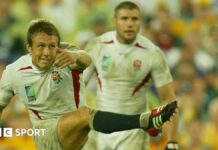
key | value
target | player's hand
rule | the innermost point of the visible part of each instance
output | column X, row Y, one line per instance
column 172, row 146
column 65, row 58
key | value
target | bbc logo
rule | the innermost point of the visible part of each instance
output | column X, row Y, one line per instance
column 9, row 132
column 6, row 132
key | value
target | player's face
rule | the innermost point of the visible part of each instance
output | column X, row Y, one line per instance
column 127, row 23
column 44, row 49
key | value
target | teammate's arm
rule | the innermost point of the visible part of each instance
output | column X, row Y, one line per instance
column 163, row 80
column 167, row 94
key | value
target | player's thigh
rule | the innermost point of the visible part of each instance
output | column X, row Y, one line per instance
column 73, row 128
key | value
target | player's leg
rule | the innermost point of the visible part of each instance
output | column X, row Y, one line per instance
column 159, row 116
column 73, row 128
column 110, row 122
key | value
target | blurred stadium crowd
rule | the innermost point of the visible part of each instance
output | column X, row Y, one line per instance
column 186, row 30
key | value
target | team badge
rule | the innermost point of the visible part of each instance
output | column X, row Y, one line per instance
column 56, row 77
column 30, row 92
column 106, row 60
column 137, row 64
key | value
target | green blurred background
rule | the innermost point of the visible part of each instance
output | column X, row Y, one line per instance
column 186, row 30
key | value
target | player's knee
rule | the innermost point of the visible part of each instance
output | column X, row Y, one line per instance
column 85, row 114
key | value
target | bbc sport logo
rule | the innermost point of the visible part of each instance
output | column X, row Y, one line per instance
column 10, row 132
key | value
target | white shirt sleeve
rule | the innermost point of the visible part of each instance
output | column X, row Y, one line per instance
column 160, row 70
column 6, row 91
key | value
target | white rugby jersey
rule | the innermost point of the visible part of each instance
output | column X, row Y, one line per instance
column 47, row 94
column 123, row 71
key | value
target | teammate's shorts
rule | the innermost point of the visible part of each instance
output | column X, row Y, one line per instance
column 50, row 140
column 136, row 139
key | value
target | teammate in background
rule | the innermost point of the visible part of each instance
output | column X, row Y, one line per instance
column 48, row 81
column 124, row 61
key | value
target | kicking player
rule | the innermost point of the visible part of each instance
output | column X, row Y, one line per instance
column 124, row 61
column 48, row 81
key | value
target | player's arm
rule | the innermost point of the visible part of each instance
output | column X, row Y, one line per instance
column 76, row 59
column 87, row 74
column 6, row 91
column 1, row 109
column 93, row 48
column 81, row 60
column 5, row 97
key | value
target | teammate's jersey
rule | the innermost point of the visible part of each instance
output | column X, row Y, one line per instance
column 123, row 71
column 47, row 94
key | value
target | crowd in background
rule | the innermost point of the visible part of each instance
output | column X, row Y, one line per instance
column 186, row 30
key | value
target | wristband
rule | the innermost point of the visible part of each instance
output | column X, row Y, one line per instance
column 171, row 145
